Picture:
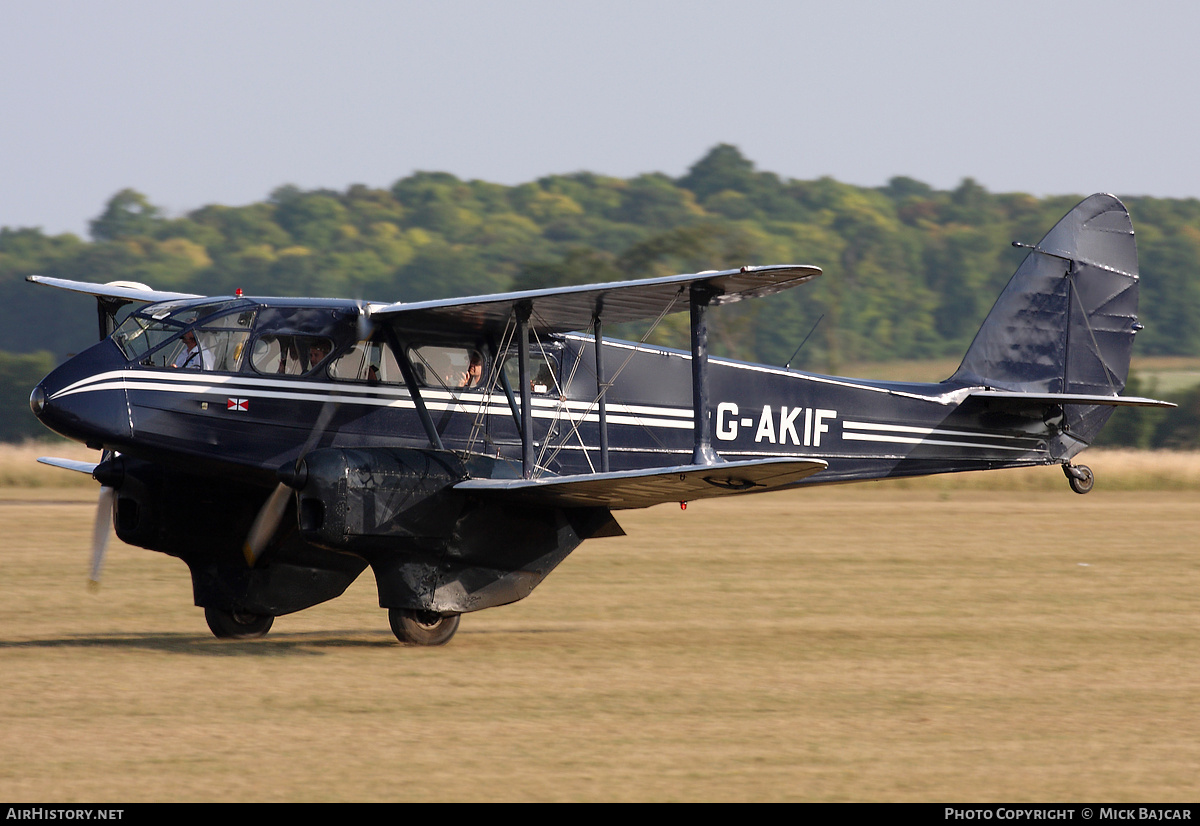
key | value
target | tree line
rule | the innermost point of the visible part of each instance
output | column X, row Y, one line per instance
column 910, row 271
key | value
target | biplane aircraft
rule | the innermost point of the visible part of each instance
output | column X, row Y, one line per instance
column 462, row 448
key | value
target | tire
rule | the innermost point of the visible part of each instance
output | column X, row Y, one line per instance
column 1084, row 482
column 237, row 625
column 422, row 627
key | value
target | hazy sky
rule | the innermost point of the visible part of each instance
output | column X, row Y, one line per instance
column 206, row 102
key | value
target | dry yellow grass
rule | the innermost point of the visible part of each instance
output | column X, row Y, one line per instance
column 874, row 642
column 19, row 467
column 1115, row 469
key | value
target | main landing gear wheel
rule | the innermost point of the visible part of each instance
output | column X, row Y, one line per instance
column 1080, row 477
column 422, row 627
column 237, row 625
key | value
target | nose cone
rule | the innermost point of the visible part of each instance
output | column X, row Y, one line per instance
column 37, row 401
column 85, row 399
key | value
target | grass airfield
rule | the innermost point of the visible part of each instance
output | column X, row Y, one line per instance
column 989, row 637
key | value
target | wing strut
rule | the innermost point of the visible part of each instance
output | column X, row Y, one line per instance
column 701, row 295
column 601, row 391
column 414, row 389
column 702, row 452
column 524, row 310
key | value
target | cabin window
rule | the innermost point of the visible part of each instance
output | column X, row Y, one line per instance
column 217, row 345
column 138, row 335
column 222, row 343
column 542, row 369
column 282, row 355
column 451, row 368
column 369, row 361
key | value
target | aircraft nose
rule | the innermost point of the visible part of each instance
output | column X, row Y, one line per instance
column 84, row 398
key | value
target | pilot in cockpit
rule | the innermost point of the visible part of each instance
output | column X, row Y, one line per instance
column 194, row 356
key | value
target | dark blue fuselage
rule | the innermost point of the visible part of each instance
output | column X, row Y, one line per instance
column 260, row 422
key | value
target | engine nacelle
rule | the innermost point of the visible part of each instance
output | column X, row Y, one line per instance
column 355, row 499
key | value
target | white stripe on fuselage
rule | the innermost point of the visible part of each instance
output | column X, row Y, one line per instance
column 435, row 400
column 900, row 434
column 474, row 402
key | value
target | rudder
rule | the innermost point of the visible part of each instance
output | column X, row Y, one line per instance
column 1067, row 319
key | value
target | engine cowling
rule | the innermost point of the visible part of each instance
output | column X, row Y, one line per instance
column 355, row 499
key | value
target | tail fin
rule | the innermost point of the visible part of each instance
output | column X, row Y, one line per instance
column 1066, row 321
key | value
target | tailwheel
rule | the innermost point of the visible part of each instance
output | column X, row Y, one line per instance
column 413, row 627
column 1080, row 477
column 237, row 625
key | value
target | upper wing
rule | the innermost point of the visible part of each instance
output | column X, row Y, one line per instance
column 560, row 310
column 554, row 310
column 118, row 290
column 643, row 488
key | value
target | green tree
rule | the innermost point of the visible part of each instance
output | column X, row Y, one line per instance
column 724, row 168
column 18, row 376
column 1170, row 294
column 128, row 214
column 653, row 201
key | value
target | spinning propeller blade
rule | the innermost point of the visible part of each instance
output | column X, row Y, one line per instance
column 271, row 513
column 100, row 531
column 365, row 326
column 266, row 523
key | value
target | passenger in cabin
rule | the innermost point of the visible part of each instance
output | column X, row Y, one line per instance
column 194, row 356
column 317, row 351
column 543, row 380
column 470, row 378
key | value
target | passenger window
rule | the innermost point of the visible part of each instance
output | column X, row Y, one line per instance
column 368, row 361
column 289, row 355
column 453, row 368
column 541, row 368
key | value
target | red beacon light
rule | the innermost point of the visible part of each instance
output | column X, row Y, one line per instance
column 238, row 292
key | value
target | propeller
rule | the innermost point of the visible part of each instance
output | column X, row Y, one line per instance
column 365, row 326
column 109, row 473
column 266, row 523
column 100, row 532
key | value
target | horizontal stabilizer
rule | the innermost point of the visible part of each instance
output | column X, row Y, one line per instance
column 643, row 488
column 1068, row 398
column 563, row 309
column 126, row 291
column 69, row 464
